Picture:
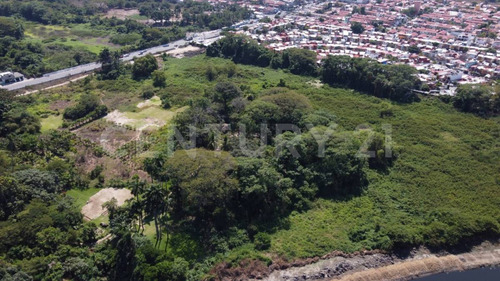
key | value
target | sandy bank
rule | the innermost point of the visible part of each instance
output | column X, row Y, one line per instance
column 376, row 266
column 415, row 268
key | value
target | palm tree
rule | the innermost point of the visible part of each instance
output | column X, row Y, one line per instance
column 138, row 187
column 156, row 206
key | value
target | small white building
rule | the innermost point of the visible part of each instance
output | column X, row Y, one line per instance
column 10, row 77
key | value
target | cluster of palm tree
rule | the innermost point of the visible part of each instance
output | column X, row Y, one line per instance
column 151, row 202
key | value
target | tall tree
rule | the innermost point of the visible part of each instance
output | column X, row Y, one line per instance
column 138, row 188
column 143, row 67
column 156, row 198
column 357, row 27
column 111, row 64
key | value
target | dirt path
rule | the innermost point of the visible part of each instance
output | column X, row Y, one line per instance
column 54, row 86
column 387, row 267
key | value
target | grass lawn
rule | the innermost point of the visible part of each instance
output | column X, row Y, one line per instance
column 149, row 232
column 137, row 17
column 82, row 196
column 75, row 35
column 51, row 123
column 94, row 45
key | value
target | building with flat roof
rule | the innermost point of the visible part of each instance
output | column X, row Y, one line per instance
column 10, row 77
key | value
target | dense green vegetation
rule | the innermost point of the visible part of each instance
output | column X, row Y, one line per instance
column 482, row 100
column 391, row 175
column 386, row 81
column 31, row 57
column 194, row 13
column 394, row 82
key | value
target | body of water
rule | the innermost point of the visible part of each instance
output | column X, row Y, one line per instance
column 480, row 274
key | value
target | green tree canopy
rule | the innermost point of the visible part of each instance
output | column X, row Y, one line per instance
column 204, row 186
column 357, row 27
column 144, row 66
column 10, row 27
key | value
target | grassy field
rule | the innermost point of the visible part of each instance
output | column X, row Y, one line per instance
column 79, row 36
column 82, row 196
column 94, row 45
column 446, row 175
column 147, row 115
column 51, row 123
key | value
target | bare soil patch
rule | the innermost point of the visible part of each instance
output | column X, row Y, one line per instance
column 187, row 51
column 113, row 168
column 93, row 209
column 106, row 134
column 121, row 13
column 60, row 105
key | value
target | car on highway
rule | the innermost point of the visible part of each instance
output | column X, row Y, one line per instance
column 166, row 45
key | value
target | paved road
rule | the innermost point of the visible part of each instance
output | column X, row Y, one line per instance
column 68, row 72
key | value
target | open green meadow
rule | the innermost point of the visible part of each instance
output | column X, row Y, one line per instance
column 52, row 122
column 82, row 196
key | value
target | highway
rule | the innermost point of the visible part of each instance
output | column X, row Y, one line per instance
column 85, row 68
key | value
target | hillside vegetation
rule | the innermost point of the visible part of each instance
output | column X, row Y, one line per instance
column 432, row 178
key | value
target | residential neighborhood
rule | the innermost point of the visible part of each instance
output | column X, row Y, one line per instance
column 449, row 42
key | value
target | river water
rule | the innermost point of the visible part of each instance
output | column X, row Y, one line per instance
column 480, row 274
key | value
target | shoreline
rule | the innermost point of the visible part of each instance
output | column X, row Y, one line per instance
column 377, row 265
column 418, row 268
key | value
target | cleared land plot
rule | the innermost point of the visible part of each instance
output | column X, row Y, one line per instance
column 93, row 209
column 124, row 14
column 109, row 136
column 154, row 101
column 151, row 117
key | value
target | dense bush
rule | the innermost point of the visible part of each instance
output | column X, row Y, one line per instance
column 242, row 49
column 111, row 65
column 144, row 66
column 86, row 104
column 394, row 82
column 262, row 241
column 478, row 99
column 9, row 27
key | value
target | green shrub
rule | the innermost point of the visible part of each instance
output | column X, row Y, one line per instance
column 262, row 241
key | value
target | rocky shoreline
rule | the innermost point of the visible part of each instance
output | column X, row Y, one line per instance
column 377, row 265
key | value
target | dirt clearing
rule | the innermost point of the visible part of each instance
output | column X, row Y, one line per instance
column 185, row 52
column 121, row 13
column 93, row 209
column 151, row 117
